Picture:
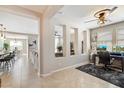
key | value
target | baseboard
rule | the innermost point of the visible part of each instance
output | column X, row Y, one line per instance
column 72, row 66
column 45, row 75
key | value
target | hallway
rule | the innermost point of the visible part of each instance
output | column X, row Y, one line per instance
column 23, row 75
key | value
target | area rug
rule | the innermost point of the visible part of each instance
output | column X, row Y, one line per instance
column 109, row 75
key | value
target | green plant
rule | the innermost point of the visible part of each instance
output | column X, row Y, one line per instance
column 6, row 46
column 59, row 48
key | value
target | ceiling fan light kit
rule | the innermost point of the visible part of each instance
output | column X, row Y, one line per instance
column 102, row 15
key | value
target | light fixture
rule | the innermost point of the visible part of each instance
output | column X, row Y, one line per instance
column 2, row 32
column 101, row 16
column 102, row 13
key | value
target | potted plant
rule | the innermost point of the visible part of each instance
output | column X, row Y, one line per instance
column 59, row 48
column 6, row 46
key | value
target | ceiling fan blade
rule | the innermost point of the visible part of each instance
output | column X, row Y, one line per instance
column 90, row 20
column 113, row 9
column 108, row 20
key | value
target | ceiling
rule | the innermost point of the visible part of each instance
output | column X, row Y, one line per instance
column 79, row 14
column 36, row 8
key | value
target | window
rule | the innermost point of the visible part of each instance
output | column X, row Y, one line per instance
column 16, row 44
column 84, row 43
column 112, row 39
column 104, row 39
column 1, row 44
column 59, row 46
column 120, row 41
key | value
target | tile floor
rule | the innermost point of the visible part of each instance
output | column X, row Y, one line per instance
column 23, row 75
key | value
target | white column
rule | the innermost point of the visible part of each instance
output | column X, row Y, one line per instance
column 67, row 40
column 76, row 41
column 64, row 40
column 46, row 46
column 88, row 41
column 80, row 38
column 46, row 40
column 85, row 41
column 114, row 40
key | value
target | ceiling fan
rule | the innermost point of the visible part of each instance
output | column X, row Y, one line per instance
column 101, row 16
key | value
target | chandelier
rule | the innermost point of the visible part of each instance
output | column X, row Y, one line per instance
column 2, row 32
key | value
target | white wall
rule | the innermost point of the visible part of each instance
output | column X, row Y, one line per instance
column 19, row 24
column 68, row 60
column 49, row 62
column 16, row 36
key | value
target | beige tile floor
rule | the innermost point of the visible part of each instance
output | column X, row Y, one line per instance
column 22, row 75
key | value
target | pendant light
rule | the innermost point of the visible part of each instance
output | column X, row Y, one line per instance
column 2, row 32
